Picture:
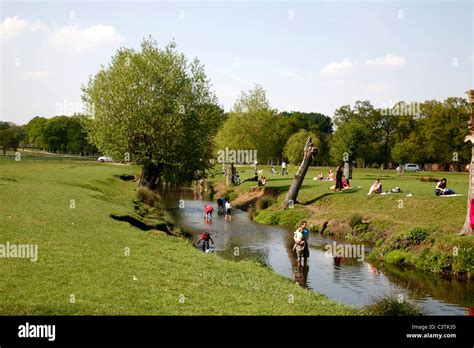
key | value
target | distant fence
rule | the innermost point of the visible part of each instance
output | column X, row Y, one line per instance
column 26, row 158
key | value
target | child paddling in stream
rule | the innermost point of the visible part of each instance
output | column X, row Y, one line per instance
column 205, row 238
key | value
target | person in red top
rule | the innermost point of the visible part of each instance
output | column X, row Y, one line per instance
column 208, row 209
column 205, row 238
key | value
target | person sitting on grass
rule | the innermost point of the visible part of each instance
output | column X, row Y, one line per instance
column 331, row 176
column 319, row 176
column 375, row 188
column 441, row 189
column 205, row 238
column 253, row 178
column 261, row 182
column 345, row 183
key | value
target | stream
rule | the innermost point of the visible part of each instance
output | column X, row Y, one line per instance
column 349, row 280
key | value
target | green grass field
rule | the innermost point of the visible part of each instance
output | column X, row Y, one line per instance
column 388, row 219
column 82, row 266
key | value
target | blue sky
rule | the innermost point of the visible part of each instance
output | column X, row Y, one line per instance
column 309, row 56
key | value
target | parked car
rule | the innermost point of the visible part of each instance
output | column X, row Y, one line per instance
column 411, row 167
column 105, row 159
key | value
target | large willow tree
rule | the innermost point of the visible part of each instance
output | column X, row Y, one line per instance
column 157, row 109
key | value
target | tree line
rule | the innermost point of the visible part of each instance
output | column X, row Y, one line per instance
column 59, row 134
column 427, row 132
column 158, row 108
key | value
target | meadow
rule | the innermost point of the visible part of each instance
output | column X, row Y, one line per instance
column 91, row 264
column 390, row 221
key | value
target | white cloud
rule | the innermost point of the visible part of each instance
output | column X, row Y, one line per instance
column 388, row 61
column 344, row 66
column 76, row 39
column 12, row 26
column 70, row 37
column 35, row 75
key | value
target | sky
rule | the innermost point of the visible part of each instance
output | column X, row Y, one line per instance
column 311, row 56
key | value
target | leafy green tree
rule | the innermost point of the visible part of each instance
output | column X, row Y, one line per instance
column 77, row 137
column 294, row 146
column 443, row 129
column 10, row 136
column 250, row 126
column 55, row 133
column 34, row 132
column 289, row 123
column 350, row 142
column 157, row 107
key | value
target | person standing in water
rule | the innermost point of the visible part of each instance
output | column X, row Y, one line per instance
column 305, row 235
column 205, row 238
column 208, row 209
column 228, row 210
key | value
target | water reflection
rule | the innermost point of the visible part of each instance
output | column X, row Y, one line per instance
column 340, row 278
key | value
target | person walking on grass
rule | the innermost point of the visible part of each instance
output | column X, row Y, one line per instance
column 283, row 168
column 339, row 174
column 228, row 210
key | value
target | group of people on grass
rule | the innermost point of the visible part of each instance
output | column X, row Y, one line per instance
column 342, row 183
column 441, row 188
column 284, row 169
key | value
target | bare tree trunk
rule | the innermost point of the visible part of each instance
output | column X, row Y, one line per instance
column 467, row 221
column 309, row 152
column 150, row 173
column 348, row 166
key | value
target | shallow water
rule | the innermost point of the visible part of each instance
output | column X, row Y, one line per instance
column 349, row 280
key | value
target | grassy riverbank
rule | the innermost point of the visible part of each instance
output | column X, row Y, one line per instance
column 91, row 264
column 420, row 231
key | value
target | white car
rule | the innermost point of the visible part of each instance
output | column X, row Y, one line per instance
column 103, row 159
column 411, row 167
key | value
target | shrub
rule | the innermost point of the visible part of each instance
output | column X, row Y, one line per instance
column 355, row 219
column 397, row 257
column 147, row 196
column 392, row 307
column 429, row 179
column 232, row 195
column 417, row 235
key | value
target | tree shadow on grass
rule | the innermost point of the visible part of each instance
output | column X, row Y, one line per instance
column 287, row 187
column 311, row 201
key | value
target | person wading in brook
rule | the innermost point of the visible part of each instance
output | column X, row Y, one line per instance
column 301, row 247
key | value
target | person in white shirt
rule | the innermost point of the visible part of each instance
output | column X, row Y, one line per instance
column 283, row 168
column 228, row 210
